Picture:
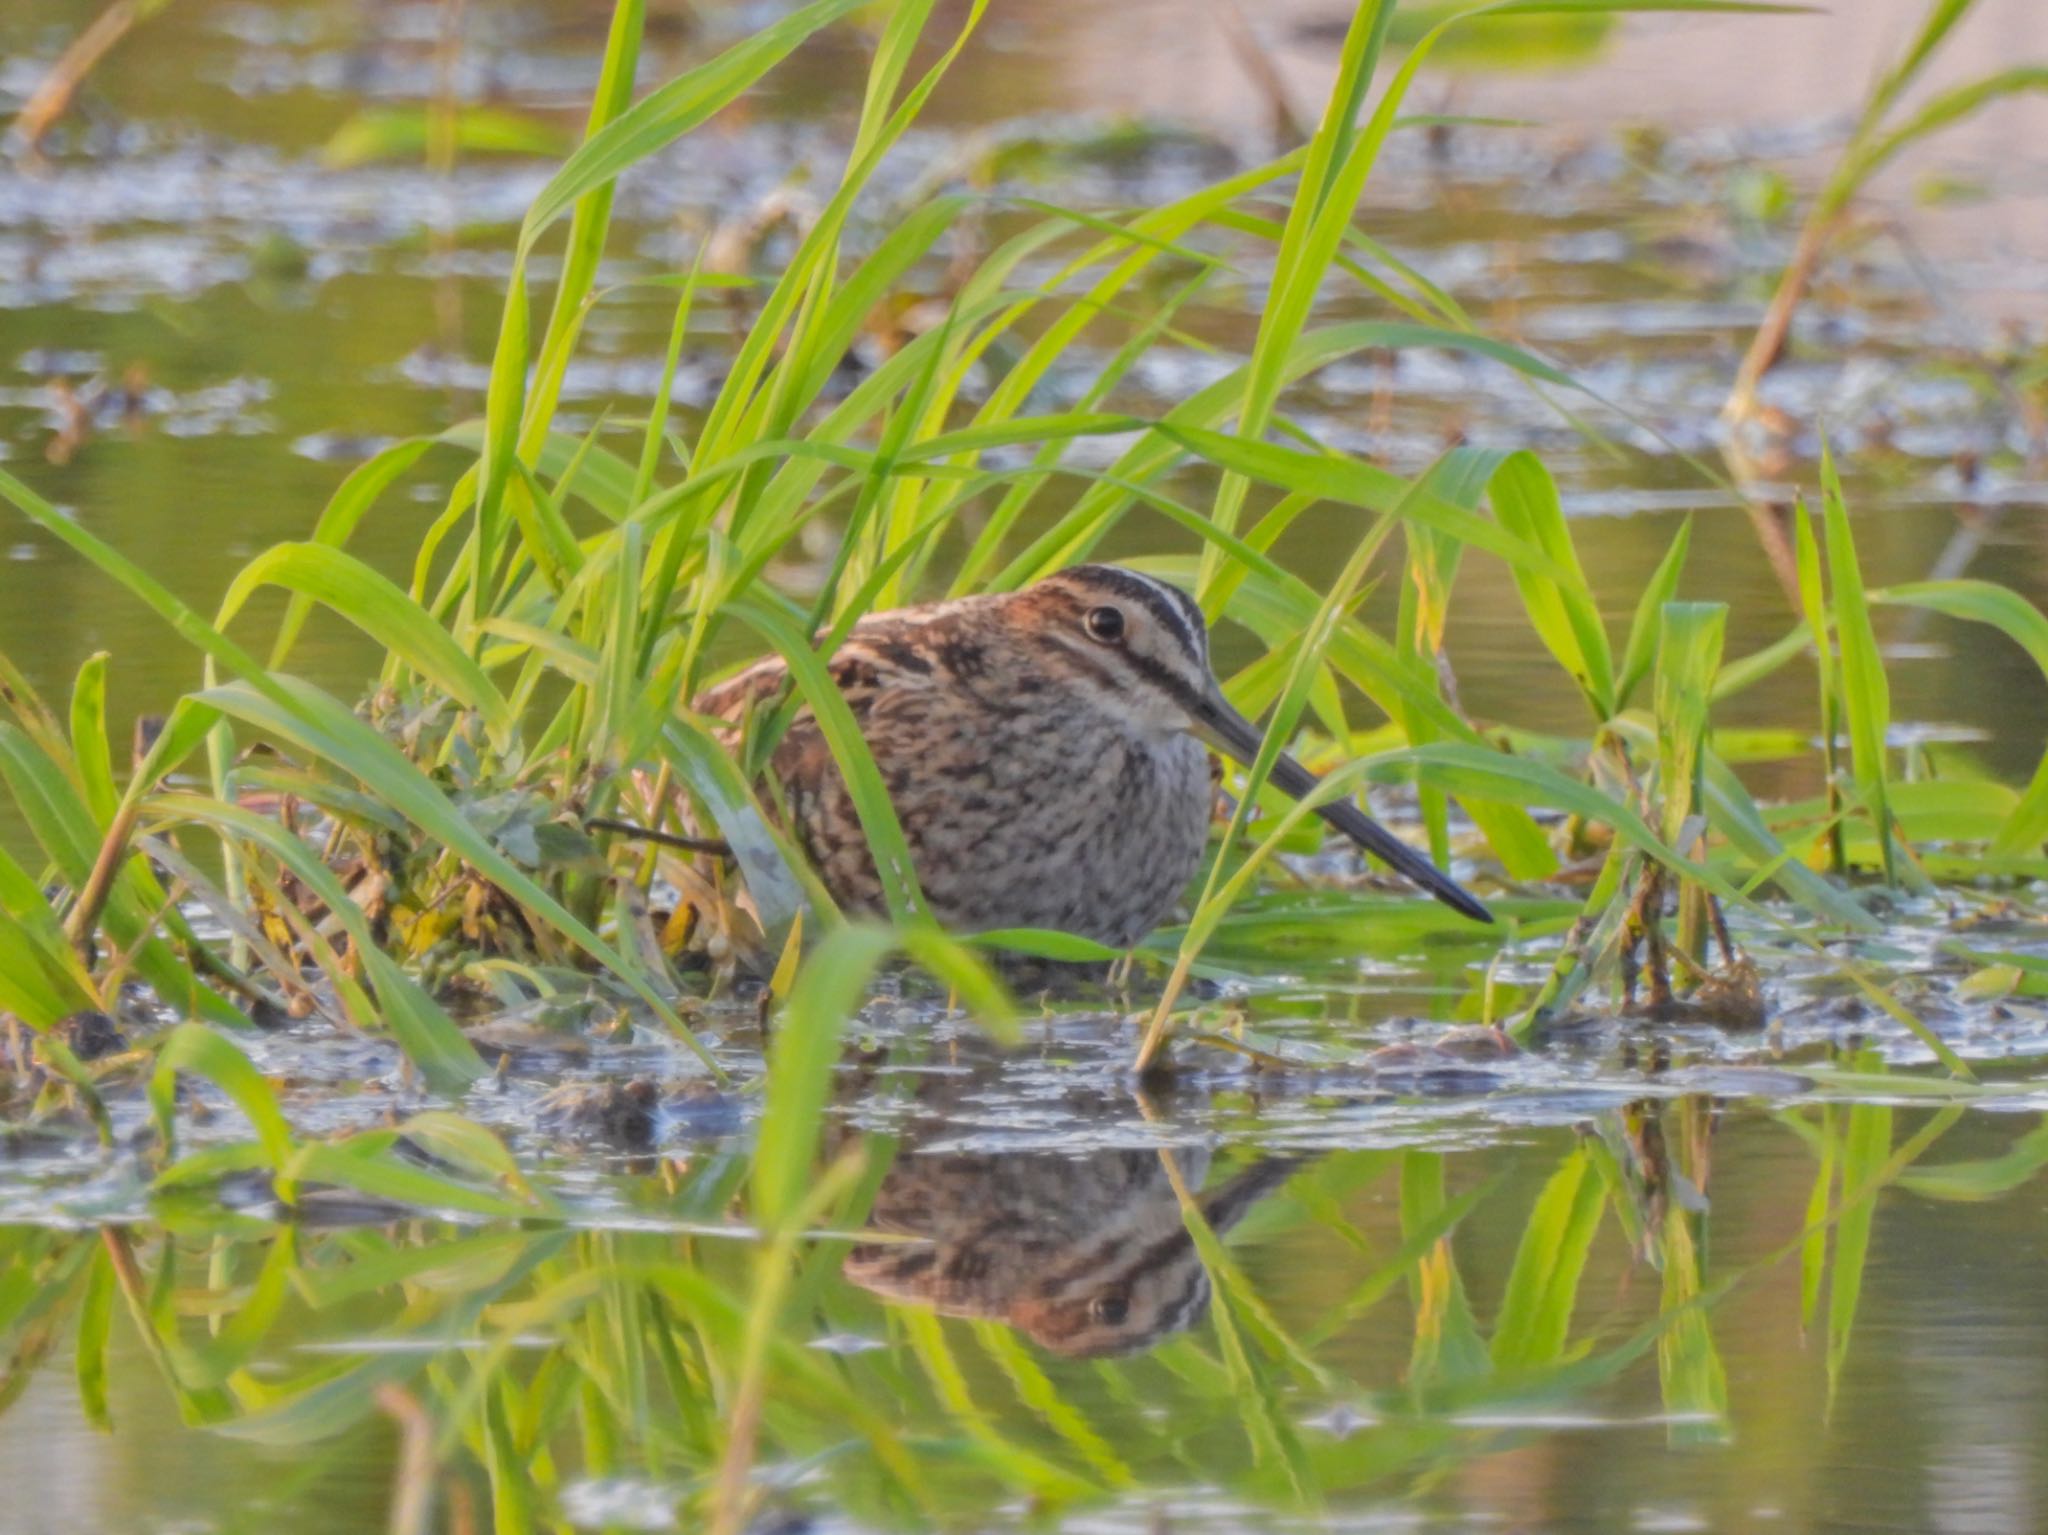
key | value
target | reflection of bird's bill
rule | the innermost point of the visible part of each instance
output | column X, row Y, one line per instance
column 1223, row 1207
column 1238, row 738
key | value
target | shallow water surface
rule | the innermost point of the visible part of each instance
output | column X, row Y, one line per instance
column 1533, row 1309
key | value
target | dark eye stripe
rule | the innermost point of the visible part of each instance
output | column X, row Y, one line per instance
column 1174, row 610
column 1160, row 678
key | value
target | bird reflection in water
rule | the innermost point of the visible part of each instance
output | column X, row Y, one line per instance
column 1087, row 1255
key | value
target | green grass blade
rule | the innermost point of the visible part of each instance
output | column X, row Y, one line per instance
column 1336, row 478
column 1866, row 1149
column 829, row 989
column 338, row 521
column 588, row 226
column 1813, row 1247
column 196, row 1049
column 1640, row 653
column 1943, row 110
column 666, row 114
column 1561, row 609
column 37, row 985
column 57, row 815
column 2005, row 610
column 377, row 606
column 91, row 752
column 299, row 713
column 1689, row 1369
column 1543, row 1286
column 430, row 1038
column 1866, row 693
column 1688, row 655
column 850, row 753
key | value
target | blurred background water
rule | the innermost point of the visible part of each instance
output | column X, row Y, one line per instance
column 209, row 310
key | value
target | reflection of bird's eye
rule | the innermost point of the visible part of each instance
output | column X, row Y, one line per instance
column 1110, row 1310
column 1106, row 624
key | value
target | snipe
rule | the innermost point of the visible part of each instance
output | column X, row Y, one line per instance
column 1046, row 754
column 1087, row 1254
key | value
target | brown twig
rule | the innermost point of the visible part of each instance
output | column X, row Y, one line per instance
column 85, row 916
column 1770, row 520
column 52, row 97
column 1257, row 63
column 412, row 1495
column 1768, row 344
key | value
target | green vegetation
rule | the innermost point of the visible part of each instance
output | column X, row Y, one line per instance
column 445, row 848
column 677, row 1355
column 1883, row 131
column 568, row 596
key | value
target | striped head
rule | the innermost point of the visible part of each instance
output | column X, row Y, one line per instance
column 1137, row 649
column 1130, row 645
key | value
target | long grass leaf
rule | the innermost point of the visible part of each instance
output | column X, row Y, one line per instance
column 1640, row 653
column 1866, row 692
column 377, row 606
column 850, row 753
column 91, row 751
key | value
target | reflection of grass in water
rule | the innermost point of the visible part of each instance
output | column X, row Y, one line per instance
column 546, row 1356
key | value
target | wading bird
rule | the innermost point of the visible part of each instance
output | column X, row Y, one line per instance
column 1089, row 1255
column 1045, row 751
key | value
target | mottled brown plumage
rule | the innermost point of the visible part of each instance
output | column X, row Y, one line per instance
column 1089, row 1255
column 1043, row 750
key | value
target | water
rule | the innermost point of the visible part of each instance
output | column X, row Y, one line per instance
column 1405, row 1406
column 1478, row 1291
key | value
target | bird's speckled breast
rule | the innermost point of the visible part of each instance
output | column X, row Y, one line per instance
column 1087, row 829
column 1100, row 837
column 1015, row 820
column 1027, row 796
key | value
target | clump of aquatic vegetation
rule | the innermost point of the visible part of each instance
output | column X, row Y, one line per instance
column 452, row 840
column 493, row 827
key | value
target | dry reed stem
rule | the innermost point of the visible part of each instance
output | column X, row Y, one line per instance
column 412, row 1489
column 1256, row 61
column 1766, row 517
column 1768, row 344
column 52, row 97
column 85, row 916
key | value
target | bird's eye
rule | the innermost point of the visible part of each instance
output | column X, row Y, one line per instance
column 1105, row 624
column 1110, row 1310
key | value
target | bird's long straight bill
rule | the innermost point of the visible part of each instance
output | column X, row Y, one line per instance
column 1236, row 737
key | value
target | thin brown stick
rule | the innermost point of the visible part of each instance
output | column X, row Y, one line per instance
column 85, row 916
column 412, row 1494
column 1257, row 63
column 126, row 1271
column 1768, row 344
column 52, row 97
column 1649, row 919
column 1721, row 935
column 1769, row 521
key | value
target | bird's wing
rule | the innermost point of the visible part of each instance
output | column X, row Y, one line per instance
column 877, row 658
column 729, row 700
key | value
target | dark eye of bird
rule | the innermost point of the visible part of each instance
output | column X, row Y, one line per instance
column 1110, row 1310
column 1105, row 624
